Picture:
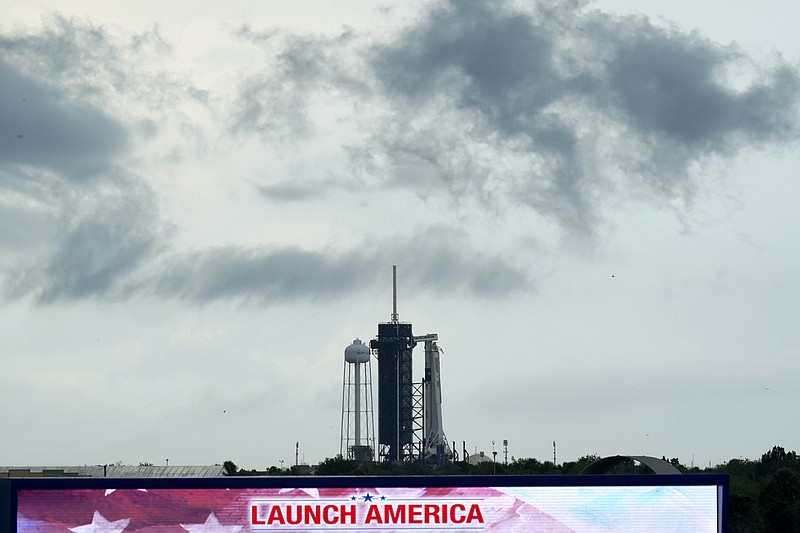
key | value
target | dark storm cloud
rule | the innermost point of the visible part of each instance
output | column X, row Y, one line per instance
column 473, row 99
column 23, row 228
column 103, row 237
column 40, row 127
column 278, row 275
column 571, row 97
column 290, row 192
column 525, row 78
column 81, row 63
column 59, row 150
column 504, row 70
column 101, row 247
column 268, row 276
column 73, row 101
column 668, row 87
column 498, row 63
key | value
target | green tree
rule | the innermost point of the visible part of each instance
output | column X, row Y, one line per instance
column 745, row 513
column 337, row 466
column 458, row 468
column 532, row 466
column 776, row 459
column 229, row 468
column 576, row 467
column 779, row 501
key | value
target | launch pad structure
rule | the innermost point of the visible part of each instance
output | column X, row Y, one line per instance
column 393, row 348
column 409, row 413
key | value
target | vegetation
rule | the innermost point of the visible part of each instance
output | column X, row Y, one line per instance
column 764, row 493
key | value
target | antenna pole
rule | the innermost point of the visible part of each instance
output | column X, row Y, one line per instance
column 395, row 318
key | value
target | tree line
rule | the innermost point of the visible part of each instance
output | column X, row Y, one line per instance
column 764, row 493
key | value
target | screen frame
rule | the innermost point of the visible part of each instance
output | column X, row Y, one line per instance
column 10, row 487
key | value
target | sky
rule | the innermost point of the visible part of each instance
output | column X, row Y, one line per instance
column 592, row 203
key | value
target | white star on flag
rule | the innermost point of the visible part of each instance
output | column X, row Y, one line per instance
column 314, row 493
column 101, row 525
column 212, row 525
column 112, row 491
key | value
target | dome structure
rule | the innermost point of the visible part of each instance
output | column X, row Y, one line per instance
column 358, row 352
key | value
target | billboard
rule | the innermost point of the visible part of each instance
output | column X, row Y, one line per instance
column 687, row 503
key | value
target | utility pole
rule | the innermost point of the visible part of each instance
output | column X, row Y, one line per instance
column 555, row 463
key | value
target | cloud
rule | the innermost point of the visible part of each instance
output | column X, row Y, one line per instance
column 41, row 127
column 549, row 83
column 81, row 57
column 670, row 89
column 442, row 263
column 104, row 237
column 83, row 226
column 86, row 225
column 78, row 104
column 552, row 108
column 288, row 192
column 94, row 73
column 669, row 85
column 274, row 103
column 555, row 109
column 496, row 62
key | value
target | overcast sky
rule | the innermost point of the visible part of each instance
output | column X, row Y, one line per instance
column 594, row 204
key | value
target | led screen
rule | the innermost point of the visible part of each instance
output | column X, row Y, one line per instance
column 356, row 506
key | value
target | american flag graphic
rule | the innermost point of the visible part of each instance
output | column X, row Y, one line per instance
column 231, row 510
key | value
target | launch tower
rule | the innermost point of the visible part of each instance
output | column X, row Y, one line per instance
column 409, row 414
column 393, row 348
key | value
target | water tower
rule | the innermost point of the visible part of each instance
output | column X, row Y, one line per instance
column 358, row 427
